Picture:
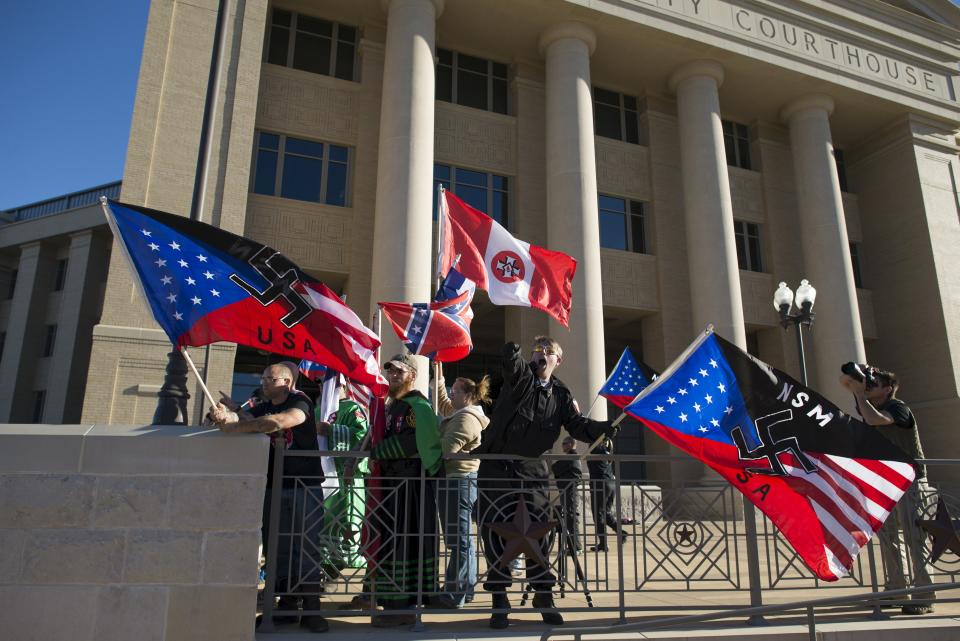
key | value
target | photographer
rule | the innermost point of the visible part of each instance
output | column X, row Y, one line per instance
column 875, row 393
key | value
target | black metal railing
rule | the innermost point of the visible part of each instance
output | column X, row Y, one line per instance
column 66, row 202
column 379, row 545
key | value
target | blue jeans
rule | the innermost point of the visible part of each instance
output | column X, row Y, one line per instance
column 457, row 497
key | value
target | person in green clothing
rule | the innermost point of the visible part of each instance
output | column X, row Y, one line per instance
column 344, row 509
column 408, row 509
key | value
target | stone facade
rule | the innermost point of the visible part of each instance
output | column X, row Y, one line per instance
column 126, row 532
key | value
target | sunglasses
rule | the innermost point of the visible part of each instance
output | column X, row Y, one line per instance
column 539, row 349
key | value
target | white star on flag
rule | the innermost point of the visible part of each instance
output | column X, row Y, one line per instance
column 693, row 382
column 704, row 373
column 202, row 258
column 146, row 233
column 214, row 292
column 672, row 400
column 183, row 263
column 172, row 298
column 722, row 388
column 660, row 409
column 208, row 275
column 682, row 391
column 713, row 362
column 683, row 418
column 696, row 406
column 708, row 399
column 175, row 246
column 154, row 247
column 196, row 301
column 166, row 280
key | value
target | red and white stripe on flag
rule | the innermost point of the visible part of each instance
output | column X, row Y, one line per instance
column 512, row 271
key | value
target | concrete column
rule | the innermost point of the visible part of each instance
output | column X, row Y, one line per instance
column 403, row 260
column 708, row 209
column 25, row 333
column 78, row 311
column 838, row 336
column 573, row 224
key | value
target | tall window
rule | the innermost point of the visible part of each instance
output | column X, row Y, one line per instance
column 748, row 246
column 301, row 169
column 736, row 141
column 471, row 82
column 622, row 224
column 841, row 169
column 855, row 262
column 311, row 44
column 61, row 278
column 489, row 193
column 615, row 116
column 49, row 340
column 39, row 400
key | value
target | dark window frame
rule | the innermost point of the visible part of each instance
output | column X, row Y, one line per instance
column 493, row 78
column 39, row 404
column 325, row 162
column 12, row 285
column 633, row 210
column 749, row 255
column 60, row 280
column 736, row 144
column 336, row 39
column 841, row 163
column 49, row 341
column 491, row 188
column 856, row 264
column 627, row 115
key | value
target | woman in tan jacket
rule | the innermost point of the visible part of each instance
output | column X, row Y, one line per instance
column 460, row 429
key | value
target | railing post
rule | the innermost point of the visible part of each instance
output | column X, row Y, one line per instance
column 877, row 613
column 418, row 622
column 620, row 541
column 273, row 527
column 753, row 561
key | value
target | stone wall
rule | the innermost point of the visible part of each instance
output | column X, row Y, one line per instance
column 111, row 532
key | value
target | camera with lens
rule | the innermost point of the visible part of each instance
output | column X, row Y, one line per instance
column 861, row 372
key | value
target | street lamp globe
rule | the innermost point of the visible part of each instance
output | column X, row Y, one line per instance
column 783, row 298
column 806, row 295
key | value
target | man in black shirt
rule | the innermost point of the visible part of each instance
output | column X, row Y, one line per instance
column 286, row 414
column 879, row 407
column 531, row 410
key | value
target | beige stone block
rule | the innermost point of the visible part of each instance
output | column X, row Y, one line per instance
column 172, row 449
column 162, row 557
column 127, row 612
column 231, row 557
column 131, row 501
column 11, row 554
column 211, row 614
column 38, row 501
column 47, row 613
column 50, row 449
column 73, row 556
column 217, row 503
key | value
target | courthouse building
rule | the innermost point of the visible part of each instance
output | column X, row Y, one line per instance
column 690, row 154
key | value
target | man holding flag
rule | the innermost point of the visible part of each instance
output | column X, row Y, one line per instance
column 531, row 410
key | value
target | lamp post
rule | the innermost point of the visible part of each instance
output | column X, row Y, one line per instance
column 783, row 300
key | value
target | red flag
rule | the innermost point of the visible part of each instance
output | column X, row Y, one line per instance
column 513, row 271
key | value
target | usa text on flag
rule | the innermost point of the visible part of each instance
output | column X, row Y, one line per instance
column 205, row 285
column 441, row 329
column 628, row 379
column 826, row 480
column 513, row 271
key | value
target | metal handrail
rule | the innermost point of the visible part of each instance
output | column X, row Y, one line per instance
column 808, row 605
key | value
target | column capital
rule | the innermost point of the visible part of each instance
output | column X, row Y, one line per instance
column 813, row 102
column 569, row 29
column 708, row 68
column 437, row 4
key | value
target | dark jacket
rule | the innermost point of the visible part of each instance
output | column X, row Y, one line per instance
column 528, row 417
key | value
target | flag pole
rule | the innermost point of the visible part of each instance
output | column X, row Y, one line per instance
column 434, row 365
column 203, row 386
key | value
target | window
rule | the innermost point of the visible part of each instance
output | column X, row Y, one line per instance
column 12, row 287
column 489, row 193
column 622, row 224
column 49, row 339
column 615, row 116
column 855, row 262
column 61, row 277
column 736, row 141
column 311, row 44
column 471, row 82
column 841, row 169
column 301, row 169
column 39, row 399
column 748, row 246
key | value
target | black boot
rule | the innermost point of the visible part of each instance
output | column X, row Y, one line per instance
column 544, row 601
column 498, row 620
column 313, row 622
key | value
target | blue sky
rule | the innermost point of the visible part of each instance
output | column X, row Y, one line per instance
column 69, row 78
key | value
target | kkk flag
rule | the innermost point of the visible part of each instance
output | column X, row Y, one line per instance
column 825, row 479
column 441, row 329
column 628, row 379
column 205, row 285
column 513, row 272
